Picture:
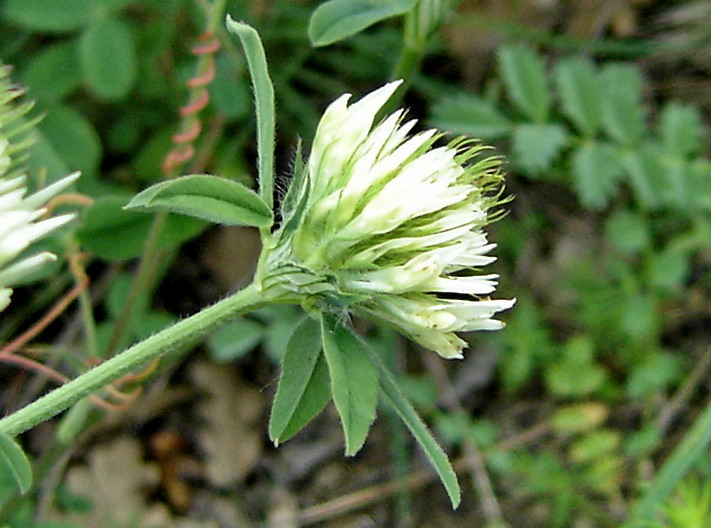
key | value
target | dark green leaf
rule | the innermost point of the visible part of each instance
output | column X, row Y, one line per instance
column 579, row 90
column 264, row 99
column 354, row 381
column 73, row 137
column 596, row 168
column 50, row 15
column 113, row 233
column 45, row 160
column 537, row 146
column 622, row 110
column 297, row 371
column 53, row 73
column 470, row 115
column 337, row 19
column 680, row 130
column 524, row 73
column 315, row 397
column 14, row 461
column 229, row 88
column 108, row 58
column 417, row 427
column 207, row 197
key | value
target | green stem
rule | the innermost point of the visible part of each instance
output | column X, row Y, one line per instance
column 694, row 445
column 244, row 301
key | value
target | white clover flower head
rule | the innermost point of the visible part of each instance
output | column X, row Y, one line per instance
column 389, row 225
column 21, row 222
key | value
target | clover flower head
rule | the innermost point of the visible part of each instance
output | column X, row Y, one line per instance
column 388, row 224
column 21, row 222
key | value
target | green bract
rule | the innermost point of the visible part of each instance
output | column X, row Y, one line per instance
column 390, row 225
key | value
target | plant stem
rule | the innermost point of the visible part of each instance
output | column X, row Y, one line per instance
column 685, row 455
column 163, row 342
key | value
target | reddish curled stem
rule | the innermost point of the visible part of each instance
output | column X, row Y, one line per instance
column 191, row 125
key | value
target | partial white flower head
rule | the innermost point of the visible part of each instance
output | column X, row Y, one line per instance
column 389, row 225
column 22, row 219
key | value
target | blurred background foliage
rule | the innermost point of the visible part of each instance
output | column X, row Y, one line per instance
column 600, row 109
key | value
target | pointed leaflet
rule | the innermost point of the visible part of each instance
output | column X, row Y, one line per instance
column 296, row 400
column 680, row 129
column 354, row 381
column 315, row 397
column 417, row 427
column 264, row 99
column 536, row 147
column 337, row 19
column 13, row 459
column 208, row 197
column 623, row 114
column 471, row 115
column 525, row 77
column 596, row 169
column 579, row 88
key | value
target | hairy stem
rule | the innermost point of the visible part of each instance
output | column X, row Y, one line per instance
column 154, row 347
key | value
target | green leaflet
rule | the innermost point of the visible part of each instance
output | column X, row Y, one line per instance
column 394, row 396
column 113, row 233
column 623, row 114
column 264, row 104
column 471, row 115
column 524, row 73
column 680, row 130
column 354, row 381
column 303, row 388
column 537, row 146
column 315, row 397
column 107, row 54
column 50, row 15
column 14, row 460
column 210, row 198
column 596, row 169
column 337, row 19
column 580, row 93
